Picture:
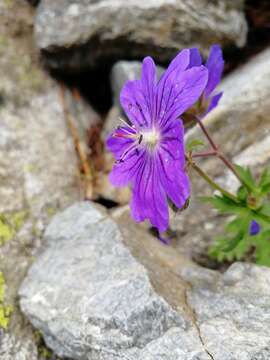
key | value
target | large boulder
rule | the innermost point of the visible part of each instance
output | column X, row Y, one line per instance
column 74, row 34
column 103, row 288
column 38, row 166
column 232, row 311
column 91, row 298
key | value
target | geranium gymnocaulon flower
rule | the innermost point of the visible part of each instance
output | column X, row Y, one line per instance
column 214, row 64
column 149, row 150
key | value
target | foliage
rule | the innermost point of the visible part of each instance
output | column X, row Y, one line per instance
column 10, row 223
column 251, row 204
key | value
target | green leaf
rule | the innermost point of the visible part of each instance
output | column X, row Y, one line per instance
column 225, row 205
column 242, row 193
column 194, row 144
column 265, row 178
column 262, row 248
column 246, row 177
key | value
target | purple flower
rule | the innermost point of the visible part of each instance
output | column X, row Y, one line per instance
column 254, row 228
column 215, row 65
column 149, row 150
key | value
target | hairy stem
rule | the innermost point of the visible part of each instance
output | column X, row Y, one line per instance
column 211, row 182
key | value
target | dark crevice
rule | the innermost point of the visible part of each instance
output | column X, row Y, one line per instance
column 109, row 204
column 93, row 85
column 258, row 38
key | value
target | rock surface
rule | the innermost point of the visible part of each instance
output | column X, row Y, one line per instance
column 91, row 298
column 103, row 288
column 123, row 71
column 38, row 167
column 74, row 34
column 12, row 349
column 232, row 311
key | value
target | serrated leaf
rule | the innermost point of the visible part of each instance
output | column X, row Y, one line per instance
column 225, row 205
column 265, row 189
column 265, row 178
column 194, row 144
column 242, row 193
column 246, row 177
column 262, row 248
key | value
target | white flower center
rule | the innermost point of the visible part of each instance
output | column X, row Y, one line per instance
column 151, row 138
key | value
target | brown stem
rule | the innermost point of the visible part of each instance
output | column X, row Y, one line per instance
column 79, row 147
column 204, row 154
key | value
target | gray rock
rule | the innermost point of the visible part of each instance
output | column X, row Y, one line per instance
column 12, row 349
column 75, row 34
column 232, row 311
column 123, row 71
column 92, row 299
column 38, row 166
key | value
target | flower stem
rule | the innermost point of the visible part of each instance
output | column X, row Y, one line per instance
column 211, row 182
column 204, row 154
column 216, row 150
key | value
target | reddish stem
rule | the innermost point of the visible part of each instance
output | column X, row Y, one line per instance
column 205, row 154
column 216, row 150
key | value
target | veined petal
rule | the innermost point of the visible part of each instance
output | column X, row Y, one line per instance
column 171, row 163
column 214, row 102
column 149, row 198
column 118, row 144
column 134, row 103
column 123, row 172
column 215, row 65
column 185, row 89
column 148, row 80
column 177, row 66
column 195, row 58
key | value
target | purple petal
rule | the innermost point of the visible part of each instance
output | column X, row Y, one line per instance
column 117, row 145
column 254, row 228
column 195, row 58
column 184, row 90
column 148, row 80
column 149, row 198
column 178, row 65
column 214, row 102
column 171, row 163
column 134, row 103
column 124, row 172
column 215, row 65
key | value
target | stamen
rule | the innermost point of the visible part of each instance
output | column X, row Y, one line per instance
column 125, row 154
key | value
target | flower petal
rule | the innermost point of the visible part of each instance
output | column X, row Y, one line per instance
column 215, row 65
column 124, row 172
column 149, row 198
column 214, row 102
column 137, row 96
column 118, row 144
column 178, row 65
column 134, row 103
column 148, row 80
column 171, row 162
column 195, row 58
column 185, row 89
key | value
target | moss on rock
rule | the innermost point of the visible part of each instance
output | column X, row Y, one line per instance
column 5, row 310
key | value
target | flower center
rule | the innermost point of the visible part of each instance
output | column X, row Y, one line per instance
column 150, row 138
